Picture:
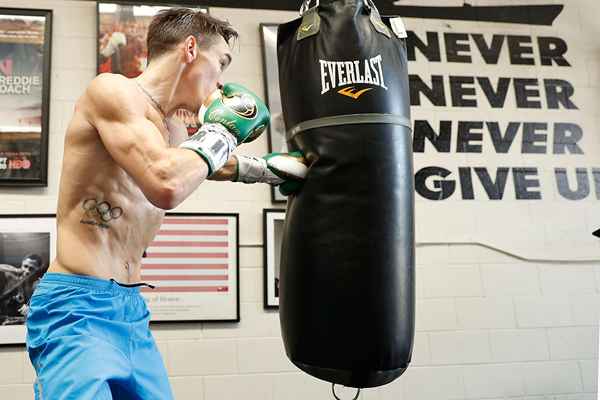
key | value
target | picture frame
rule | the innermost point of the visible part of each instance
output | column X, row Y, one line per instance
column 23, row 239
column 200, row 286
column 25, row 66
column 193, row 262
column 121, row 42
column 273, row 220
column 276, row 130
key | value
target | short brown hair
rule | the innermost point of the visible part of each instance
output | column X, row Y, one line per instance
column 172, row 25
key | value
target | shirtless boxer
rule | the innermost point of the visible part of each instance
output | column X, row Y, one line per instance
column 125, row 162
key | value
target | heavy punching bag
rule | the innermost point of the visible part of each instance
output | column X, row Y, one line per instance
column 347, row 296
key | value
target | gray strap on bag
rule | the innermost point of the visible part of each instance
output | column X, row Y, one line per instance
column 311, row 21
column 375, row 19
column 348, row 119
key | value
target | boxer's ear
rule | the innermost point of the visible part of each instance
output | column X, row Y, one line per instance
column 191, row 49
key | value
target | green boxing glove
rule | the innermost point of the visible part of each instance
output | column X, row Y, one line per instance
column 286, row 170
column 240, row 111
column 236, row 116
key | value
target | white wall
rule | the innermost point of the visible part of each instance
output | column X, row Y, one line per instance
column 488, row 326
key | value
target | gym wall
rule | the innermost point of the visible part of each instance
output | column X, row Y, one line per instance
column 489, row 325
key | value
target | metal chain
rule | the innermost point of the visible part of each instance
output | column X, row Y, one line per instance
column 306, row 6
column 336, row 396
column 156, row 103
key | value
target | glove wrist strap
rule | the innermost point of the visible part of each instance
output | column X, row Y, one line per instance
column 214, row 143
column 255, row 170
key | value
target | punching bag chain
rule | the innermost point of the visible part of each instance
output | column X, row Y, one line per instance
column 336, row 396
column 306, row 6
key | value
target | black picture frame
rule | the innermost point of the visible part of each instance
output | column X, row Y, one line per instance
column 235, row 317
column 15, row 335
column 42, row 181
column 133, row 3
column 276, row 141
column 12, row 330
column 270, row 257
column 131, row 60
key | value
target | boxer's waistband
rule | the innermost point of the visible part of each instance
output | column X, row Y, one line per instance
column 90, row 282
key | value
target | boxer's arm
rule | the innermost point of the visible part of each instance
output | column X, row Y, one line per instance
column 9, row 268
column 179, row 133
column 228, row 172
column 166, row 176
column 274, row 168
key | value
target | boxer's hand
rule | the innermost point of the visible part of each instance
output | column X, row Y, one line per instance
column 240, row 111
column 286, row 170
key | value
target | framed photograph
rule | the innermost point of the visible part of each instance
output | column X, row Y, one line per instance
column 193, row 262
column 276, row 131
column 273, row 220
column 122, row 31
column 27, row 245
column 25, row 47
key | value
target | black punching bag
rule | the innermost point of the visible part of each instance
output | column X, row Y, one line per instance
column 347, row 291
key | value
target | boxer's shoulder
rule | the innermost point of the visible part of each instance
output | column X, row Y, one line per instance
column 107, row 82
column 112, row 96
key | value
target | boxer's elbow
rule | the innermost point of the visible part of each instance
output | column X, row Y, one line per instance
column 166, row 191
column 166, row 197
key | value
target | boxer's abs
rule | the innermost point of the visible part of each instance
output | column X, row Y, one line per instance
column 104, row 220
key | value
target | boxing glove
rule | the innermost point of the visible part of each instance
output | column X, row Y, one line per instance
column 286, row 170
column 233, row 117
column 240, row 111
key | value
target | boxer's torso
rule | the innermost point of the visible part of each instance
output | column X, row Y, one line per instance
column 104, row 220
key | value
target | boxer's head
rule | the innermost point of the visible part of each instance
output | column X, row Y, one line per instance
column 199, row 43
column 31, row 263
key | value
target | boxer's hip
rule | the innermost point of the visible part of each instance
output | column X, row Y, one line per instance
column 89, row 339
column 71, row 305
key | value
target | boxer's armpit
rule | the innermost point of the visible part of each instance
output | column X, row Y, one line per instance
column 99, row 213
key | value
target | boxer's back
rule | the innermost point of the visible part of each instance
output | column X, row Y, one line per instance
column 104, row 220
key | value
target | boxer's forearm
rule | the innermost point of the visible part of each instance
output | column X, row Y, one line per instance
column 228, row 172
column 183, row 171
column 174, row 177
column 9, row 268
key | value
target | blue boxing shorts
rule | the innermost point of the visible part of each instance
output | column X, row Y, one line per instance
column 89, row 339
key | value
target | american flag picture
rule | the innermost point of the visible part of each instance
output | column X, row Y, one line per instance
column 193, row 265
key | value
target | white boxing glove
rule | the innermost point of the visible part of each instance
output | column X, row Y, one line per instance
column 116, row 39
column 286, row 170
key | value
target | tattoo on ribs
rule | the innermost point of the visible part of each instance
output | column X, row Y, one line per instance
column 99, row 213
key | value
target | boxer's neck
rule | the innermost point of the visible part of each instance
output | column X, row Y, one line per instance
column 161, row 80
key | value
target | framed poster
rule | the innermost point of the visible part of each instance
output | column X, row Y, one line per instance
column 273, row 220
column 122, row 30
column 276, row 131
column 193, row 262
column 25, row 46
column 27, row 245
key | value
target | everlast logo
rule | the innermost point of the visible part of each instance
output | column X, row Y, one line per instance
column 344, row 73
